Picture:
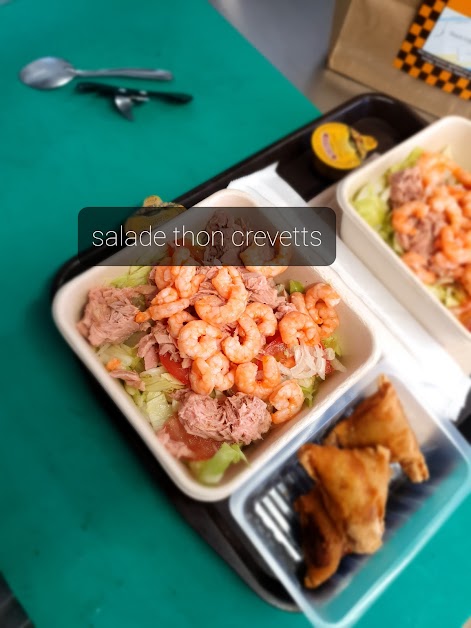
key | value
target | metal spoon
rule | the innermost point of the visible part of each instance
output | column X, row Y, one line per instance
column 52, row 72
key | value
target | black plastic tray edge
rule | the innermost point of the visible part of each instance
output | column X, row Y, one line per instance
column 209, row 520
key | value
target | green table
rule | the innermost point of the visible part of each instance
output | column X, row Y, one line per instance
column 86, row 538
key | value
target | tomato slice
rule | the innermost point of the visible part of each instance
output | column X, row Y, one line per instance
column 175, row 368
column 277, row 348
column 201, row 448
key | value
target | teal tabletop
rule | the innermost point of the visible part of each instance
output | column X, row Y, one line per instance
column 86, row 536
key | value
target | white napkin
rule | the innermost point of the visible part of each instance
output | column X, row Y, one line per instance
column 427, row 368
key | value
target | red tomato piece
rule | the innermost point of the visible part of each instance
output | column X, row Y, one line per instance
column 175, row 368
column 202, row 448
column 277, row 348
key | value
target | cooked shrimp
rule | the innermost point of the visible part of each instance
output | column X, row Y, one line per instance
column 435, row 168
column 163, row 274
column 267, row 271
column 288, row 399
column 188, row 281
column 299, row 302
column 461, row 175
column 177, row 321
column 223, row 373
column 418, row 264
column 255, row 260
column 165, row 310
column 212, row 310
column 405, row 217
column 456, row 246
column 264, row 318
column 318, row 295
column 296, row 327
column 328, row 321
column 142, row 317
column 165, row 303
column 466, row 279
column 465, row 202
column 202, row 378
column 224, row 281
column 463, row 313
column 198, row 339
column 184, row 273
column 167, row 295
column 247, row 382
column 443, row 202
column 244, row 346
column 444, row 267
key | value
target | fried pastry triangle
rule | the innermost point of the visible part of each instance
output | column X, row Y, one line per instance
column 354, row 488
column 380, row 420
column 323, row 543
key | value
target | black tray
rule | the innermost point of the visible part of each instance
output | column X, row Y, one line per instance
column 391, row 122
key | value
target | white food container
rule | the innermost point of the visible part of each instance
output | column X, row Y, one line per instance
column 453, row 133
column 357, row 341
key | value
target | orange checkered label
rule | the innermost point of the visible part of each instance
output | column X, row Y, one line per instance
column 437, row 48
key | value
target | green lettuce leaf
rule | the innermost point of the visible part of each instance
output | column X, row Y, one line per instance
column 295, row 286
column 450, row 294
column 371, row 201
column 332, row 342
column 157, row 409
column 124, row 353
column 158, row 380
column 310, row 387
column 409, row 162
column 154, row 405
column 371, row 205
column 136, row 276
column 211, row 471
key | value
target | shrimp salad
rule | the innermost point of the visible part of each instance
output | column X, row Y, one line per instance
column 214, row 356
column 422, row 209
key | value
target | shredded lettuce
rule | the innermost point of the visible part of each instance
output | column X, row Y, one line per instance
column 125, row 354
column 211, row 471
column 295, row 286
column 157, row 409
column 310, row 387
column 371, row 205
column 154, row 405
column 450, row 295
column 136, row 276
column 409, row 162
column 332, row 342
column 158, row 380
column 371, row 201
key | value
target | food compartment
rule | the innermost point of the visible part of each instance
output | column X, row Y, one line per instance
column 414, row 512
column 360, row 353
column 452, row 134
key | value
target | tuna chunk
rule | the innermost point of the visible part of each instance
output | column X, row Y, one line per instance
column 284, row 308
column 260, row 288
column 129, row 377
column 238, row 419
column 247, row 416
column 422, row 241
column 158, row 341
column 109, row 314
column 406, row 185
column 221, row 247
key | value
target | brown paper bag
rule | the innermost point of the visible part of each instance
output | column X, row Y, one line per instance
column 366, row 38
